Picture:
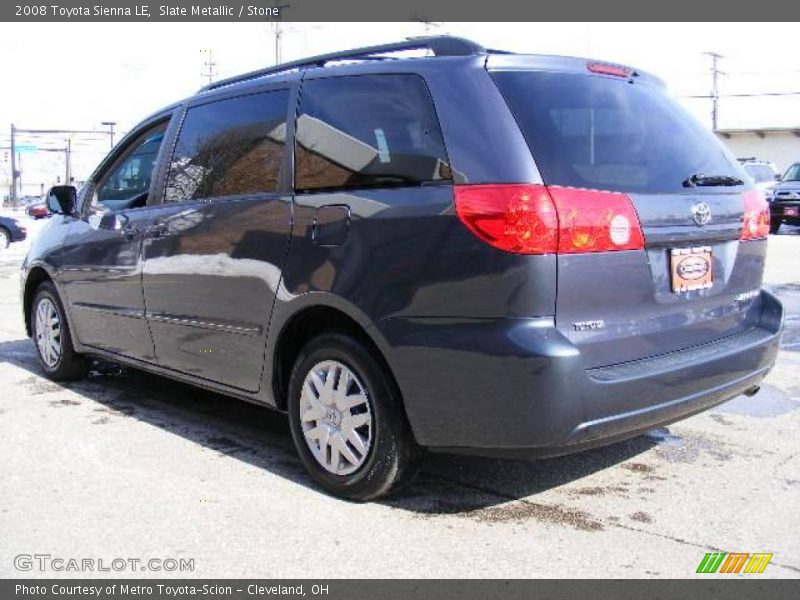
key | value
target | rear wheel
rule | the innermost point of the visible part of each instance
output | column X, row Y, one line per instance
column 52, row 337
column 774, row 225
column 5, row 239
column 347, row 420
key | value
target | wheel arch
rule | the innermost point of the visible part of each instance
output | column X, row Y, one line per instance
column 35, row 277
column 311, row 320
column 7, row 231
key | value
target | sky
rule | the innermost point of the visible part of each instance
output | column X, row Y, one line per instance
column 77, row 75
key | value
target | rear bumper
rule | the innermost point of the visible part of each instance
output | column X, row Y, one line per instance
column 517, row 387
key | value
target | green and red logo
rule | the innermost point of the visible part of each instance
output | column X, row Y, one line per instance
column 742, row 562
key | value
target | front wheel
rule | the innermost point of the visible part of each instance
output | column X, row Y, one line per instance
column 774, row 225
column 52, row 337
column 5, row 239
column 347, row 420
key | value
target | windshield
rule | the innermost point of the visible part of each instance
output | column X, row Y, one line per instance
column 792, row 173
column 760, row 173
column 602, row 133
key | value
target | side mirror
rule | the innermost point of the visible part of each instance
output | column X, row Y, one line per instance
column 62, row 199
column 777, row 176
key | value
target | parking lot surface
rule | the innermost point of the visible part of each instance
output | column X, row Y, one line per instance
column 129, row 465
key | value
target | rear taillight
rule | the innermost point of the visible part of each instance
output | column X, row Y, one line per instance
column 755, row 224
column 514, row 218
column 595, row 221
column 535, row 219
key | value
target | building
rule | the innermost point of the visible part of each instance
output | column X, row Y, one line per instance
column 780, row 145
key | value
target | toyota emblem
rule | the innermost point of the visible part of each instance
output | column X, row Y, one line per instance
column 701, row 213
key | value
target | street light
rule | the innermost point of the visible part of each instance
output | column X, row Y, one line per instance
column 110, row 125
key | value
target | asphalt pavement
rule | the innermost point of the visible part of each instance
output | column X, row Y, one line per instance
column 126, row 465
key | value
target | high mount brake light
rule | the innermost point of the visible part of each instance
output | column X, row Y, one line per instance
column 535, row 219
column 605, row 69
column 755, row 224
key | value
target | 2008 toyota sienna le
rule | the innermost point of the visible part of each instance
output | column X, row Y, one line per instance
column 465, row 251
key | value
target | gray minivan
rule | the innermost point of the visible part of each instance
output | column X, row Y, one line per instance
column 465, row 251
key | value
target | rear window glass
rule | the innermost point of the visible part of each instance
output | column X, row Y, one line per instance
column 367, row 131
column 605, row 133
column 760, row 173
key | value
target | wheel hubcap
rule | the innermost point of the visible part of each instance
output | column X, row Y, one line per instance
column 336, row 418
column 48, row 332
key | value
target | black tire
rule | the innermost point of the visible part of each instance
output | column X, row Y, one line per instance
column 70, row 365
column 774, row 225
column 393, row 454
column 5, row 238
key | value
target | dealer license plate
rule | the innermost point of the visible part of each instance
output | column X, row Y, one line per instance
column 691, row 268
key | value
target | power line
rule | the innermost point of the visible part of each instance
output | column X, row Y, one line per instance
column 16, row 172
column 753, row 95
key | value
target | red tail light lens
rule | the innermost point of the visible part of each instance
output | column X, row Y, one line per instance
column 606, row 69
column 534, row 219
column 756, row 216
column 595, row 221
column 514, row 218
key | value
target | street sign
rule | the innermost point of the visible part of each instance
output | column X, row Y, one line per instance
column 24, row 148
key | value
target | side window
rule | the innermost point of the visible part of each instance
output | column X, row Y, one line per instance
column 127, row 183
column 367, row 131
column 229, row 147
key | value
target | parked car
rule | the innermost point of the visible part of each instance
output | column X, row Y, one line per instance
column 37, row 210
column 407, row 254
column 784, row 201
column 10, row 231
column 763, row 173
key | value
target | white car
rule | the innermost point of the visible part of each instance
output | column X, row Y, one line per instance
column 763, row 173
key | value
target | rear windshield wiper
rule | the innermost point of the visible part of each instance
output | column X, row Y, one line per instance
column 698, row 179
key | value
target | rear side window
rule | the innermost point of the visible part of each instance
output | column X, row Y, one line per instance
column 367, row 131
column 229, row 147
column 606, row 133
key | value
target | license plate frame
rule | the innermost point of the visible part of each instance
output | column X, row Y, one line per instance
column 691, row 268
column 790, row 211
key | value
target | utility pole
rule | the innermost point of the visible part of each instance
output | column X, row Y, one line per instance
column 209, row 64
column 427, row 25
column 715, row 73
column 68, row 161
column 110, row 125
column 277, row 31
column 14, row 173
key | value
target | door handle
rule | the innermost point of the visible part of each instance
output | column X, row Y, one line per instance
column 128, row 230
column 157, row 230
